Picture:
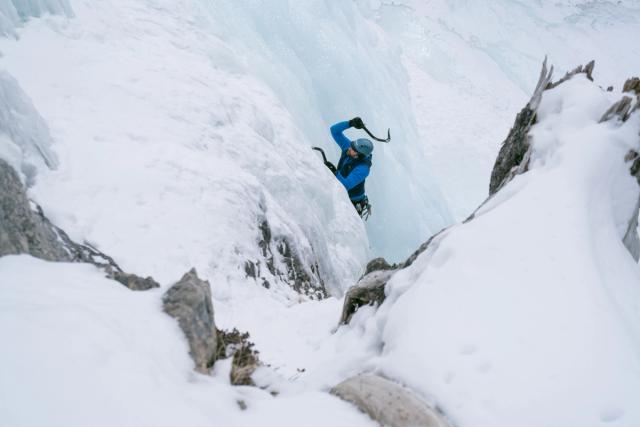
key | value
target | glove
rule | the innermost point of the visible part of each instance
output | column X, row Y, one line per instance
column 356, row 122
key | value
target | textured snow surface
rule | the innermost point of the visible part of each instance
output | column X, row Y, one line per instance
column 170, row 156
column 180, row 125
column 15, row 12
column 529, row 315
column 474, row 63
column 83, row 350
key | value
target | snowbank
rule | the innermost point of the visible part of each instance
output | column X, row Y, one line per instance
column 87, row 351
column 528, row 314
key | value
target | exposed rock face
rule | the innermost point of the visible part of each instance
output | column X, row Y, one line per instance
column 282, row 262
column 21, row 229
column 632, row 85
column 189, row 301
column 25, row 230
column 586, row 69
column 378, row 264
column 368, row 291
column 513, row 158
column 621, row 110
column 133, row 282
column 388, row 403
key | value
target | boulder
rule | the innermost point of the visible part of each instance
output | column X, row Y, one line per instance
column 189, row 301
column 389, row 403
column 368, row 291
column 133, row 282
column 378, row 264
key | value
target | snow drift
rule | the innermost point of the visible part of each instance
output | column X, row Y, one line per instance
column 527, row 314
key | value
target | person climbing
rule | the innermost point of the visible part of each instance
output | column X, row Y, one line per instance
column 354, row 164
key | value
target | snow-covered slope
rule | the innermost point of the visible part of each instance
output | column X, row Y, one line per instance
column 85, row 351
column 473, row 63
column 181, row 131
column 170, row 155
column 529, row 314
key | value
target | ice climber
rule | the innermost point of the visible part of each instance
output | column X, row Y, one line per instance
column 354, row 164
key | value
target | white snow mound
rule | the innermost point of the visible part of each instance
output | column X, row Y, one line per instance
column 529, row 314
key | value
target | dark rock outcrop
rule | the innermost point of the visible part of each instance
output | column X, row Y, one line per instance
column 389, row 403
column 513, row 158
column 189, row 301
column 621, row 110
column 24, row 229
column 281, row 261
column 378, row 264
column 370, row 290
column 580, row 69
column 632, row 85
column 133, row 282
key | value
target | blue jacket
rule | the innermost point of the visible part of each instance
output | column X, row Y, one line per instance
column 352, row 173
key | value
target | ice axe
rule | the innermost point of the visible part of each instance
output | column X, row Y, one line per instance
column 357, row 123
column 327, row 163
column 375, row 137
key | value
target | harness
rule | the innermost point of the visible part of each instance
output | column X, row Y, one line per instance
column 345, row 165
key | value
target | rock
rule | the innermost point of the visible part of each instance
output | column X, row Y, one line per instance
column 23, row 230
column 631, row 239
column 368, row 291
column 282, row 262
column 189, row 301
column 580, row 69
column 513, row 158
column 378, row 264
column 632, row 85
column 389, row 403
column 423, row 247
column 621, row 110
column 133, row 282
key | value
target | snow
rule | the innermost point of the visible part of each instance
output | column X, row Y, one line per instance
column 170, row 160
column 26, row 142
column 472, row 66
column 528, row 315
column 180, row 126
column 15, row 12
column 86, row 351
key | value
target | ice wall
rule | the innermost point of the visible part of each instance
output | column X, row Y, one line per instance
column 472, row 64
column 24, row 136
column 15, row 12
column 327, row 63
